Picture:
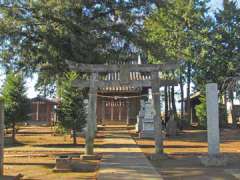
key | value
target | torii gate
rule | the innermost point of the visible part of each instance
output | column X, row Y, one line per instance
column 124, row 70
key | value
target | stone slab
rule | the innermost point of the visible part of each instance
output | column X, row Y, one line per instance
column 234, row 172
column 146, row 134
column 213, row 161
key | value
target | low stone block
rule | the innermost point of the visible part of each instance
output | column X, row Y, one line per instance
column 18, row 177
column 62, row 164
column 80, row 166
column 214, row 161
column 146, row 134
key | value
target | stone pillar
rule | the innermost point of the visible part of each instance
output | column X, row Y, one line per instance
column 157, row 119
column 120, row 111
column 1, row 136
column 141, row 115
column 128, row 112
column 214, row 157
column 91, row 117
column 103, row 111
column 212, row 119
column 111, row 105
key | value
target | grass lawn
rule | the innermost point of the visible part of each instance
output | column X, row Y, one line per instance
column 184, row 149
column 33, row 155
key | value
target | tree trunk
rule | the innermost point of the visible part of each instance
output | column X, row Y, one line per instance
column 182, row 99
column 13, row 131
column 166, row 103
column 74, row 137
column 173, row 102
column 169, row 99
column 188, row 93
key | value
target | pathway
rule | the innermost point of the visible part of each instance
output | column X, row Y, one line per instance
column 123, row 159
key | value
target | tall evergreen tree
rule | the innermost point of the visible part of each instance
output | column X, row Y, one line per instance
column 17, row 105
column 71, row 112
column 50, row 32
column 172, row 33
column 40, row 36
column 221, row 50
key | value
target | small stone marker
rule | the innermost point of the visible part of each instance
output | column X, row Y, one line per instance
column 147, row 130
column 171, row 126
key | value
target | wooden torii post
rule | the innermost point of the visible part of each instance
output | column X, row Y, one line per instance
column 124, row 70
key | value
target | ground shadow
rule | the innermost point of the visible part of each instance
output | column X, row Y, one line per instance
column 8, row 143
column 33, row 133
column 59, row 145
column 46, row 165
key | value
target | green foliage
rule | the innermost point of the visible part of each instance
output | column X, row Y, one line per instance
column 51, row 32
column 172, row 30
column 17, row 106
column 201, row 112
column 220, row 47
column 223, row 116
column 40, row 36
column 71, row 112
column 59, row 129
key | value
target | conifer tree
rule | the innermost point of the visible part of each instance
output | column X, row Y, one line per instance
column 71, row 111
column 17, row 105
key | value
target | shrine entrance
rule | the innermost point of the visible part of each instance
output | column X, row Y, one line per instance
column 116, row 112
column 117, row 79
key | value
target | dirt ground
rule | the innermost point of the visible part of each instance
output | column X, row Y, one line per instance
column 184, row 150
column 34, row 153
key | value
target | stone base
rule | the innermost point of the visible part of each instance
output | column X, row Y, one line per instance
column 215, row 161
column 90, row 157
column 157, row 157
column 63, row 165
column 78, row 165
column 18, row 177
column 146, row 134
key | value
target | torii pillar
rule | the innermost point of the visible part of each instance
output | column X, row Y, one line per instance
column 157, row 120
column 91, row 117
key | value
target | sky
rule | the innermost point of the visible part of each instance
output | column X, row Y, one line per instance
column 30, row 82
column 215, row 4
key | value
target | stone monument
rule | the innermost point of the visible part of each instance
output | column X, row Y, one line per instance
column 147, row 130
column 214, row 157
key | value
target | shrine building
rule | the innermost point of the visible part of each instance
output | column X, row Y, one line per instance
column 120, row 105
